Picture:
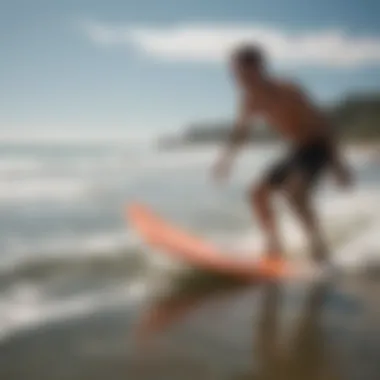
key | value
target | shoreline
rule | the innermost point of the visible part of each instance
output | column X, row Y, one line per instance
column 268, row 329
column 365, row 144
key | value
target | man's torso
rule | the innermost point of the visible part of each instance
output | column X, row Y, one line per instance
column 288, row 112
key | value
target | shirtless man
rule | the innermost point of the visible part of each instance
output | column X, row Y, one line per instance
column 312, row 148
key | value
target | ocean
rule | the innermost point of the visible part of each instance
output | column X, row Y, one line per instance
column 67, row 250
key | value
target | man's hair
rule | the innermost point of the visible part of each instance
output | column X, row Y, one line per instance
column 249, row 55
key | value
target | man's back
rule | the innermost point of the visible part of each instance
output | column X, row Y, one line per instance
column 288, row 110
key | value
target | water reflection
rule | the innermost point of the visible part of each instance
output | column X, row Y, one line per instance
column 304, row 354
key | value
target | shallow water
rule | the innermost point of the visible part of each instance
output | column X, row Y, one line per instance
column 65, row 246
column 264, row 331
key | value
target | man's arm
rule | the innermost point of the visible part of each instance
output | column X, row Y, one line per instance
column 237, row 137
column 338, row 165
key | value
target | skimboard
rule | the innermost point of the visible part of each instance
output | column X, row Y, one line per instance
column 176, row 242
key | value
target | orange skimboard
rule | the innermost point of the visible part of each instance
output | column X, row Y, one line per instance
column 158, row 233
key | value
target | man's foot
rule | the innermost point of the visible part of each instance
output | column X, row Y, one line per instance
column 319, row 251
column 274, row 251
column 317, row 271
column 273, row 263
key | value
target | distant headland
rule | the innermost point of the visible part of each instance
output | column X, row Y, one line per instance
column 357, row 117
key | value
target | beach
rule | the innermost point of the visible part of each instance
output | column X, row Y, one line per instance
column 82, row 297
column 262, row 331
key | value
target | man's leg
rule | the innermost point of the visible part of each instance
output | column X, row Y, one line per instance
column 261, row 201
column 298, row 192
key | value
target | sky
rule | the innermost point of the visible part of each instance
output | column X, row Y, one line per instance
column 110, row 66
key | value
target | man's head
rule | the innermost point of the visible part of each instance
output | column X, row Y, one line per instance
column 248, row 64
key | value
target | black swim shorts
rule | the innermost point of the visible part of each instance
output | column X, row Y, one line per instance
column 310, row 160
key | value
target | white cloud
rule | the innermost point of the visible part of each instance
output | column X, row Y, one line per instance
column 201, row 43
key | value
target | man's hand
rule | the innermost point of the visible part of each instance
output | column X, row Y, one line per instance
column 339, row 167
column 344, row 176
column 222, row 169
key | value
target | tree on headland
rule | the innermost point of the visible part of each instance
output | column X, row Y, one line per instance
column 357, row 117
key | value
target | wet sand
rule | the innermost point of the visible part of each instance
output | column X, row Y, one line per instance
column 262, row 331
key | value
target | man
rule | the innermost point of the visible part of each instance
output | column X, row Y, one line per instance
column 312, row 147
